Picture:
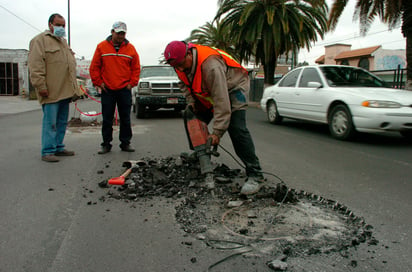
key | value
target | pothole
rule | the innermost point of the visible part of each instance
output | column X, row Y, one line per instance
column 276, row 221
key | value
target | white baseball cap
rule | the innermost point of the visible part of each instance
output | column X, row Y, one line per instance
column 119, row 27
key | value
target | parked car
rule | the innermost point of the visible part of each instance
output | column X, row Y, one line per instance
column 91, row 90
column 347, row 99
column 157, row 88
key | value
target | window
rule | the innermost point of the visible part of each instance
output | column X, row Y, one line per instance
column 290, row 79
column 364, row 63
column 341, row 76
column 309, row 75
column 9, row 78
column 344, row 62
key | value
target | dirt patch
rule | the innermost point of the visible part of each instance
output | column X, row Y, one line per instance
column 278, row 222
column 77, row 122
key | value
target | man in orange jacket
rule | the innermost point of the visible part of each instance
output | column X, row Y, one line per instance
column 217, row 87
column 115, row 69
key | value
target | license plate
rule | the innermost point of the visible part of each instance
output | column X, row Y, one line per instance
column 172, row 101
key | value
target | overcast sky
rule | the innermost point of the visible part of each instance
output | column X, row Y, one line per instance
column 152, row 24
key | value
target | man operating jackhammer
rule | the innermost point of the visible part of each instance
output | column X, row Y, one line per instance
column 217, row 87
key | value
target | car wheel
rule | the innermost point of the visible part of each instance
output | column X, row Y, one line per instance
column 272, row 113
column 140, row 111
column 340, row 123
column 407, row 134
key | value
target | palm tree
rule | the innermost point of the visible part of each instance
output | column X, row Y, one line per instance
column 391, row 12
column 213, row 34
column 266, row 29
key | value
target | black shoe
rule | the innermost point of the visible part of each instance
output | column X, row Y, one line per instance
column 127, row 148
column 104, row 150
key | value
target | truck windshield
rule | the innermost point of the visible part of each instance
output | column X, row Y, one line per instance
column 158, row 72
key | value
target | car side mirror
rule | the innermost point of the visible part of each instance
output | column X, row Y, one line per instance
column 313, row 84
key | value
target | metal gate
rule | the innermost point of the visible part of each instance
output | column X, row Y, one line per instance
column 9, row 78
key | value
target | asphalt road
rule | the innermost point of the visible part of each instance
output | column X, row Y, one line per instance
column 52, row 219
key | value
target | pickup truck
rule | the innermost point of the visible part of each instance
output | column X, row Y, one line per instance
column 157, row 88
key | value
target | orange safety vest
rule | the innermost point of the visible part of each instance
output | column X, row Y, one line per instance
column 195, row 87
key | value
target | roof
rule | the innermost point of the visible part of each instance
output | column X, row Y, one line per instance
column 321, row 59
column 357, row 53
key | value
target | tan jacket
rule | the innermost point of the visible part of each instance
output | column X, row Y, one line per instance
column 52, row 66
column 228, row 87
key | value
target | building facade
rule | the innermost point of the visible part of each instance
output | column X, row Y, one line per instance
column 14, row 73
column 387, row 64
column 373, row 58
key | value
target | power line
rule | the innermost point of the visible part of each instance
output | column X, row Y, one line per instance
column 355, row 37
column 12, row 13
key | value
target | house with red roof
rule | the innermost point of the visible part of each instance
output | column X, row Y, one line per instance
column 373, row 58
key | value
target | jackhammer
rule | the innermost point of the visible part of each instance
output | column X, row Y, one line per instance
column 199, row 141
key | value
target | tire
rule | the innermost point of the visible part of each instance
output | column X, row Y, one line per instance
column 140, row 111
column 272, row 113
column 407, row 134
column 340, row 123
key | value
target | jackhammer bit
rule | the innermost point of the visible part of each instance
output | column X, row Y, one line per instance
column 199, row 141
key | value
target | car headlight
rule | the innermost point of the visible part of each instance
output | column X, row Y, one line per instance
column 380, row 104
column 144, row 85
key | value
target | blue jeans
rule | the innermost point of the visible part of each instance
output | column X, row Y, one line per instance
column 54, row 126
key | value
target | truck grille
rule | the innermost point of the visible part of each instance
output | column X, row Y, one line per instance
column 165, row 88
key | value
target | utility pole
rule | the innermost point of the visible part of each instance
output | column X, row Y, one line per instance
column 68, row 22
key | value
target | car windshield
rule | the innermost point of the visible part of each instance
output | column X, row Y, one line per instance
column 347, row 76
column 166, row 71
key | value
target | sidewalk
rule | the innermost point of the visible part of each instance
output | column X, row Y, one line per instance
column 17, row 104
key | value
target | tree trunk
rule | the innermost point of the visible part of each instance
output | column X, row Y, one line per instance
column 269, row 71
column 407, row 33
column 409, row 61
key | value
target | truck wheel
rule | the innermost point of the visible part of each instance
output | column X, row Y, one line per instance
column 140, row 111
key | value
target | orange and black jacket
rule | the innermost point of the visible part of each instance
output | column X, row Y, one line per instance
column 195, row 87
column 116, row 69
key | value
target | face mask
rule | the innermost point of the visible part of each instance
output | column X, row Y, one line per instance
column 59, row 31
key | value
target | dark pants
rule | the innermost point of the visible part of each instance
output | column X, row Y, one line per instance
column 241, row 140
column 123, row 100
column 243, row 143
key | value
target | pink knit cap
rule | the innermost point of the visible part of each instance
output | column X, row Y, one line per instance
column 175, row 52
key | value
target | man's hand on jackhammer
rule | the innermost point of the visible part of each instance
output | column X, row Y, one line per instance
column 192, row 107
column 215, row 139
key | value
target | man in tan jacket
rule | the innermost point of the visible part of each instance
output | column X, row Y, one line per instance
column 52, row 68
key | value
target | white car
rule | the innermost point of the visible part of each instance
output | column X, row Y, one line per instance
column 347, row 98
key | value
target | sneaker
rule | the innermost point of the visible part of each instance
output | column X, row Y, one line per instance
column 64, row 152
column 50, row 158
column 252, row 186
column 104, row 150
column 127, row 148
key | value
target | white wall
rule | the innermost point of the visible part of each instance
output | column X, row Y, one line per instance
column 386, row 59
